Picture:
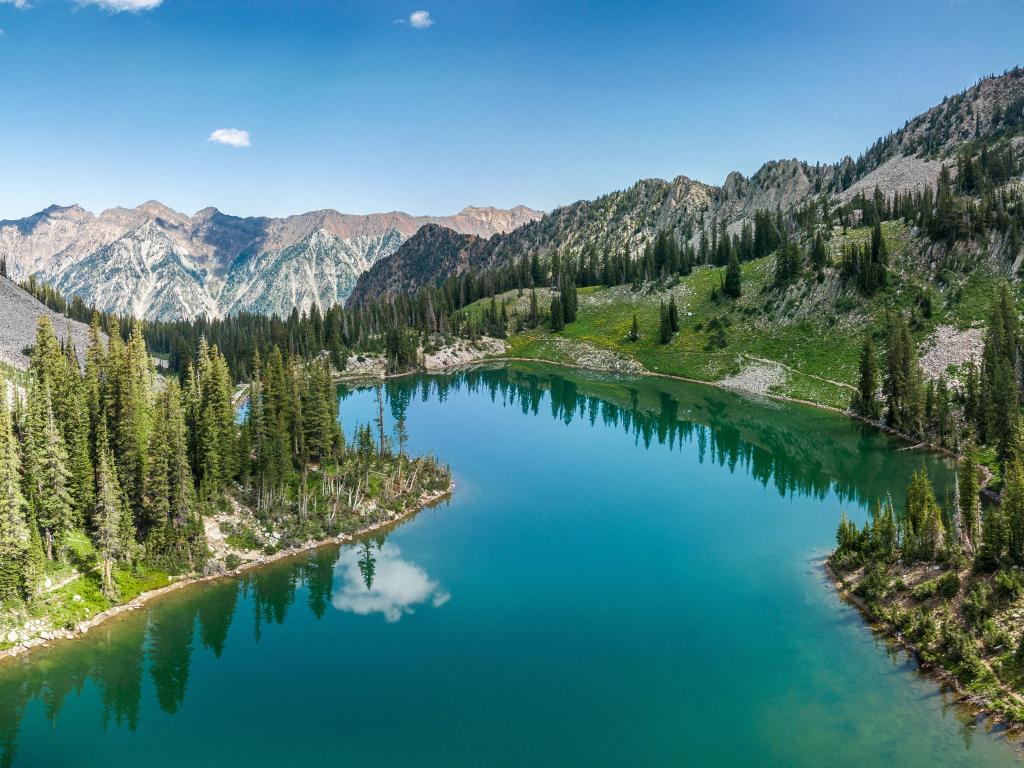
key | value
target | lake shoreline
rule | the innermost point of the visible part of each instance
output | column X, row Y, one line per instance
column 83, row 627
column 975, row 703
column 361, row 377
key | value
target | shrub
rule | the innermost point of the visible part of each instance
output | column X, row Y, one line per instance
column 1009, row 584
column 874, row 584
column 994, row 636
column 948, row 584
column 925, row 590
column 945, row 586
column 977, row 605
column 241, row 537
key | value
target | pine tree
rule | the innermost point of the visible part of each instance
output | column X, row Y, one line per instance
column 673, row 313
column 884, row 531
column 942, row 410
column 570, row 302
column 993, row 540
column 1012, row 505
column 865, row 400
column 634, row 329
column 664, row 325
column 169, row 522
column 732, row 284
column 277, row 457
column 819, row 257
column 967, row 490
column 14, row 529
column 54, row 504
column 879, row 250
column 997, row 412
column 904, row 380
column 110, row 516
column 557, row 316
column 924, row 527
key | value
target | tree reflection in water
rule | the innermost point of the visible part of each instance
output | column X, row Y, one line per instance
column 796, row 450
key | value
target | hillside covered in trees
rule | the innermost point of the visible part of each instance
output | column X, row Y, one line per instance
column 991, row 113
column 114, row 478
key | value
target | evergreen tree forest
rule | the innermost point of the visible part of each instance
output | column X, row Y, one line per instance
column 111, row 468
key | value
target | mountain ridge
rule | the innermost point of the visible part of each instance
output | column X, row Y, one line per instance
column 627, row 220
column 170, row 265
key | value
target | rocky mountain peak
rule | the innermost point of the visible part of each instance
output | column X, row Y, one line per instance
column 167, row 264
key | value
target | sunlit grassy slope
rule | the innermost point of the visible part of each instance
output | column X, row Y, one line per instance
column 814, row 328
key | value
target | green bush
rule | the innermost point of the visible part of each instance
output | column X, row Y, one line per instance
column 1009, row 584
column 977, row 605
column 241, row 537
column 948, row 584
column 232, row 561
column 994, row 636
column 945, row 586
column 874, row 584
column 925, row 590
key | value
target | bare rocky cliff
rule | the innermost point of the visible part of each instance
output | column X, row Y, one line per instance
column 154, row 262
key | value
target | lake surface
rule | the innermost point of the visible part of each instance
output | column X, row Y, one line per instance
column 627, row 574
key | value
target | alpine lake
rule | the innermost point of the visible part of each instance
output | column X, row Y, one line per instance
column 629, row 573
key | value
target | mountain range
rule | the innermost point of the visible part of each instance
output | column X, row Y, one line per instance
column 905, row 160
column 154, row 262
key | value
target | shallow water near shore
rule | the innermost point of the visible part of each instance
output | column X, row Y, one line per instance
column 628, row 574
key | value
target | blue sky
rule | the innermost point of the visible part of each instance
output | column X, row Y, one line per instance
column 349, row 105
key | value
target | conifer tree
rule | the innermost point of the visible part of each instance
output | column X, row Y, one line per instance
column 731, row 286
column 14, row 529
column 967, row 490
column 1012, row 505
column 557, row 316
column 904, row 380
column 997, row 413
column 673, row 313
column 664, row 325
column 634, row 329
column 884, row 531
column 112, row 517
column 924, row 527
column 53, row 499
column 819, row 257
column 879, row 250
column 865, row 400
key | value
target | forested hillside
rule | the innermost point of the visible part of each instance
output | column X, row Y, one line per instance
column 986, row 116
column 115, row 479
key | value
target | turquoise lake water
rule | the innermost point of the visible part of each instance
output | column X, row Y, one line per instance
column 628, row 574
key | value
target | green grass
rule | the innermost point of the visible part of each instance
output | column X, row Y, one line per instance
column 63, row 609
column 814, row 329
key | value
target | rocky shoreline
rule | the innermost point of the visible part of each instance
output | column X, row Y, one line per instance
column 977, row 705
column 45, row 638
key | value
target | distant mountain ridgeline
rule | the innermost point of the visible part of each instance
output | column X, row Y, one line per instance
column 156, row 263
column 988, row 117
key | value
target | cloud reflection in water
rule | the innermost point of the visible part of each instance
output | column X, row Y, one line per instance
column 396, row 587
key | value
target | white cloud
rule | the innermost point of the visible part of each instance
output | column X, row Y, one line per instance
column 16, row 3
column 119, row 6
column 233, row 137
column 420, row 20
column 398, row 585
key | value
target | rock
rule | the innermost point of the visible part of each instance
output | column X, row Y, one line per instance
column 12, row 636
column 950, row 347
